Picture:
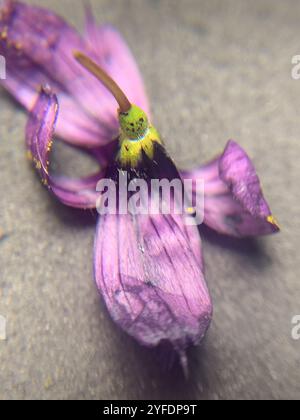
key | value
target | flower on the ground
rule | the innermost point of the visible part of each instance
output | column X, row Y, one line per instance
column 149, row 268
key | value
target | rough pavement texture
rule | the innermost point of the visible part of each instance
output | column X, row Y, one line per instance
column 214, row 70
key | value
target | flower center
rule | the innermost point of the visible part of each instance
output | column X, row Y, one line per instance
column 134, row 123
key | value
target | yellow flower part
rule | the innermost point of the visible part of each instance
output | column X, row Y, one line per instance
column 136, row 137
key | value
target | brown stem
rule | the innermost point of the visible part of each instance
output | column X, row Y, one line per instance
column 104, row 78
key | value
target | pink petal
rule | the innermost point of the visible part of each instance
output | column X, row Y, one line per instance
column 149, row 267
column 80, row 193
column 38, row 46
column 150, row 279
column 233, row 200
column 73, row 125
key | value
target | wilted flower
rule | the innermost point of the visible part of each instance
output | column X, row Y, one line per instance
column 148, row 266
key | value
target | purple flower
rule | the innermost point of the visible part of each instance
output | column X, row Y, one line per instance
column 148, row 267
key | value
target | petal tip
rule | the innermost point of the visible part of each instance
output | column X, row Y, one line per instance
column 271, row 219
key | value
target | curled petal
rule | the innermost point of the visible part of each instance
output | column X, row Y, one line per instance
column 233, row 200
column 80, row 193
column 77, row 193
column 73, row 125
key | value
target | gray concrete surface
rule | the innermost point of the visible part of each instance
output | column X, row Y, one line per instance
column 214, row 70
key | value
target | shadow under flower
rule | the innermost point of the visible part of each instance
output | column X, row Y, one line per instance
column 252, row 249
column 72, row 217
column 151, row 373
